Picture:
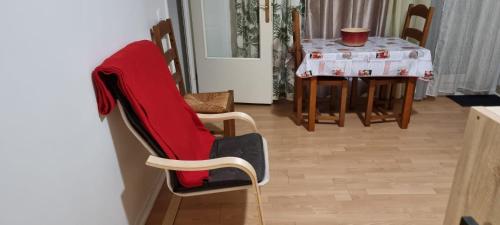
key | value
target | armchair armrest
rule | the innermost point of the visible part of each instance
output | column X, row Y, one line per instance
column 197, row 165
column 206, row 118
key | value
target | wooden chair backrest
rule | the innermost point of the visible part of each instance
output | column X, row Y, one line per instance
column 162, row 30
column 297, row 46
column 419, row 35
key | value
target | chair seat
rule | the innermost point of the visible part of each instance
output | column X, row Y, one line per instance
column 249, row 147
column 215, row 102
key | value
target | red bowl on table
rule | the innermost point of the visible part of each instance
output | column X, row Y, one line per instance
column 354, row 37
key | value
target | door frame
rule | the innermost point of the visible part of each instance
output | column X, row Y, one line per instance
column 188, row 34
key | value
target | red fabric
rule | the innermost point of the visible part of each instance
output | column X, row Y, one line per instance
column 145, row 80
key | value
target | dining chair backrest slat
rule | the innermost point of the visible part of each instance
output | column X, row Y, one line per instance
column 419, row 35
column 164, row 29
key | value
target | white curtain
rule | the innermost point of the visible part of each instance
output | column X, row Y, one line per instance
column 467, row 57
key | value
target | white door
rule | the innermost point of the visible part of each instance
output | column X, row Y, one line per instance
column 233, row 48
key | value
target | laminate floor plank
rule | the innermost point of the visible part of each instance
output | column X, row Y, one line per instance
column 354, row 175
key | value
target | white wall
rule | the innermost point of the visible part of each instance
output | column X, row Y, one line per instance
column 59, row 162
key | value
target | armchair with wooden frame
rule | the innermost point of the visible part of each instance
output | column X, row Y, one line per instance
column 207, row 103
column 140, row 84
column 313, row 83
column 387, row 85
column 254, row 173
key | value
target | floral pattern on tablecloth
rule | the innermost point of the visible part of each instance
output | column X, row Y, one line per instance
column 384, row 57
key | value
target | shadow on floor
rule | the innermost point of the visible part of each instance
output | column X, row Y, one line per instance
column 228, row 208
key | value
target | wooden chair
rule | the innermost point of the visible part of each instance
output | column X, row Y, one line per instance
column 222, row 163
column 296, row 35
column 225, row 162
column 207, row 103
column 419, row 35
column 387, row 85
column 313, row 82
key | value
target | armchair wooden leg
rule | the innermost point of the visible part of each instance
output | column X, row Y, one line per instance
column 369, row 102
column 343, row 102
column 259, row 202
column 173, row 207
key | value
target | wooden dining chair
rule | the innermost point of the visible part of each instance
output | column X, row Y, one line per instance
column 296, row 35
column 207, row 103
column 296, row 51
column 312, row 83
column 387, row 85
column 416, row 34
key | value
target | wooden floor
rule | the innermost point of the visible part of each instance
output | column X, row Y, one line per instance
column 347, row 176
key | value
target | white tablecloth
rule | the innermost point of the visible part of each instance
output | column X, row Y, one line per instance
column 384, row 57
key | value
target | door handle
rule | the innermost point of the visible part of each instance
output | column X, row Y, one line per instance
column 265, row 7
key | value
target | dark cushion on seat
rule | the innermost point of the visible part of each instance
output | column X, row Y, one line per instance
column 249, row 147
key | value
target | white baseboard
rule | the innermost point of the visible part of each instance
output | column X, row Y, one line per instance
column 148, row 205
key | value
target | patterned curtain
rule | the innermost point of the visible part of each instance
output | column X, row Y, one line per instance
column 283, row 75
column 247, row 29
column 247, row 40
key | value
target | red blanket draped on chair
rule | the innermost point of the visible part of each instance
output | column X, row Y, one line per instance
column 145, row 80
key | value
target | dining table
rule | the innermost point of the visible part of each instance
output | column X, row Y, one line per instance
column 380, row 57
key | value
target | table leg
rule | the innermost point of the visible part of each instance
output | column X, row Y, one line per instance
column 230, row 125
column 408, row 102
column 369, row 102
column 354, row 93
column 313, row 89
column 343, row 102
column 299, row 94
column 295, row 94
